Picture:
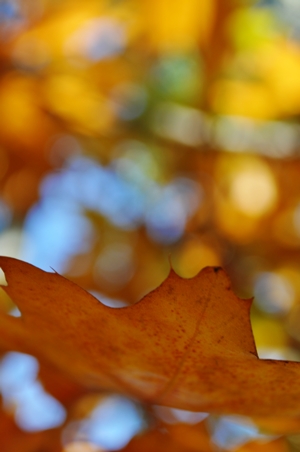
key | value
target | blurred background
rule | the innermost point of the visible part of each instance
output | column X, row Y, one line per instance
column 133, row 132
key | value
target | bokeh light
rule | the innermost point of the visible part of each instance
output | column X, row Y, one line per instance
column 109, row 426
column 34, row 409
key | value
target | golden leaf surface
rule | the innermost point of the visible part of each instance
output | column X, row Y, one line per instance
column 187, row 344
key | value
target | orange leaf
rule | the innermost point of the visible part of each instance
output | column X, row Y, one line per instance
column 278, row 425
column 188, row 344
column 179, row 438
column 13, row 439
column 277, row 445
column 157, row 440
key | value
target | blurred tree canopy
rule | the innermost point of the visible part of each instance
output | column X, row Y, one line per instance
column 133, row 133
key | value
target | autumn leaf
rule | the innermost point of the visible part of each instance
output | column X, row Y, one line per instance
column 278, row 445
column 13, row 439
column 176, row 438
column 188, row 344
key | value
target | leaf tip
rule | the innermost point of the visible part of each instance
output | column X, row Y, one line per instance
column 249, row 301
column 217, row 269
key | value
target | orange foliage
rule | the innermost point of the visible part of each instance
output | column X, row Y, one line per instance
column 188, row 344
column 131, row 132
